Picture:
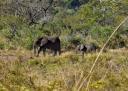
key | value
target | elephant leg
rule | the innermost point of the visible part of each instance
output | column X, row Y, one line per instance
column 82, row 53
column 55, row 52
column 34, row 49
column 39, row 50
column 77, row 51
column 44, row 50
column 59, row 52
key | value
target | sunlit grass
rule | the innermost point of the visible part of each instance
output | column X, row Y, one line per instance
column 61, row 73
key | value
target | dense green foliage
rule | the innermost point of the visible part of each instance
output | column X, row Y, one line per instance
column 91, row 21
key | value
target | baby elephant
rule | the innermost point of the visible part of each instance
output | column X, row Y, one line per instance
column 81, row 48
column 92, row 47
column 87, row 48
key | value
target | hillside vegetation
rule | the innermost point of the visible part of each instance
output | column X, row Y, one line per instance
column 21, row 22
column 75, row 22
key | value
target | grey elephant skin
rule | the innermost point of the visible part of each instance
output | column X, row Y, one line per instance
column 43, row 43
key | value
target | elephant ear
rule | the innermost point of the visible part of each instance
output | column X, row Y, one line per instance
column 44, row 41
column 81, row 47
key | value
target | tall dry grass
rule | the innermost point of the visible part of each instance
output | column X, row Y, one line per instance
column 89, row 76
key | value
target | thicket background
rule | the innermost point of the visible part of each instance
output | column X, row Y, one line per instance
column 84, row 21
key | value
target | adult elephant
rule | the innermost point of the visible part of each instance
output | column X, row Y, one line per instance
column 43, row 43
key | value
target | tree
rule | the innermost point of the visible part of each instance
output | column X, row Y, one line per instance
column 31, row 10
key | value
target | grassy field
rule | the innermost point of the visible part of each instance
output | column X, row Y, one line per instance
column 20, row 71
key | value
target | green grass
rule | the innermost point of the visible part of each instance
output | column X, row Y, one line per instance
column 21, row 72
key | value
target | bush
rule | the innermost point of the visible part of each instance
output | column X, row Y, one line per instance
column 100, row 34
column 71, row 41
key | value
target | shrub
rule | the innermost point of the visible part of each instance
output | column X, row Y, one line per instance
column 101, row 34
